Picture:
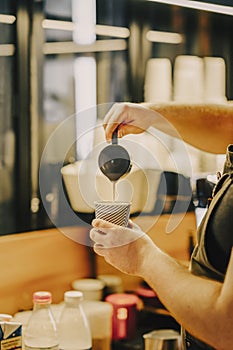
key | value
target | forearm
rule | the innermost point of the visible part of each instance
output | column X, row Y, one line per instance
column 204, row 307
column 206, row 126
column 192, row 300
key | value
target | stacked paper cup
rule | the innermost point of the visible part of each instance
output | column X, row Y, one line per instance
column 215, row 79
column 188, row 79
column 195, row 79
column 158, row 80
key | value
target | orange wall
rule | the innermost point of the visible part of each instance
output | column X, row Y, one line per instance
column 40, row 260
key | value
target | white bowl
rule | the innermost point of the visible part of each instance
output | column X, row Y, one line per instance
column 85, row 187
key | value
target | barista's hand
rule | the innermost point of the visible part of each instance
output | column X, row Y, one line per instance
column 130, row 118
column 123, row 247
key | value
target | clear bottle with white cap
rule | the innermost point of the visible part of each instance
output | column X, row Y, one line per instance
column 41, row 330
column 73, row 326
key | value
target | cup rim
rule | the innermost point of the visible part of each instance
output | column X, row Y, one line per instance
column 112, row 202
column 165, row 334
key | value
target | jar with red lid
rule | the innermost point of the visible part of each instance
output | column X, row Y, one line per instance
column 124, row 319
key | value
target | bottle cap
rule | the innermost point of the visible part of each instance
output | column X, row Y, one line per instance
column 73, row 295
column 122, row 299
column 42, row 297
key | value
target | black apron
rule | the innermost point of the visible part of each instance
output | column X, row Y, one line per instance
column 200, row 264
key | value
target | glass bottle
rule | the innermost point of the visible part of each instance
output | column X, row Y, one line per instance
column 73, row 326
column 41, row 330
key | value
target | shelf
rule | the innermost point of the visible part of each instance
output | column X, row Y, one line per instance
column 68, row 47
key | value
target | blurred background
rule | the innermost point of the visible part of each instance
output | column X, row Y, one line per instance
column 59, row 57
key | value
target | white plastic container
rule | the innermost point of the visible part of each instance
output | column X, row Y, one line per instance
column 41, row 330
column 99, row 314
column 92, row 288
column 73, row 326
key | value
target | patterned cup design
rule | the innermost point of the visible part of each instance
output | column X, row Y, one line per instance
column 115, row 212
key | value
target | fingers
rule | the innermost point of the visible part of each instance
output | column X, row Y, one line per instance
column 102, row 223
column 98, row 236
column 98, row 249
column 102, row 231
column 111, row 121
column 128, row 117
column 133, row 226
column 110, row 113
column 117, row 116
column 107, row 235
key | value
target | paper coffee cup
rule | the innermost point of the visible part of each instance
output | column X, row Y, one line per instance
column 115, row 212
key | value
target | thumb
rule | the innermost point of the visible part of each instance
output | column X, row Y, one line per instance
column 102, row 223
